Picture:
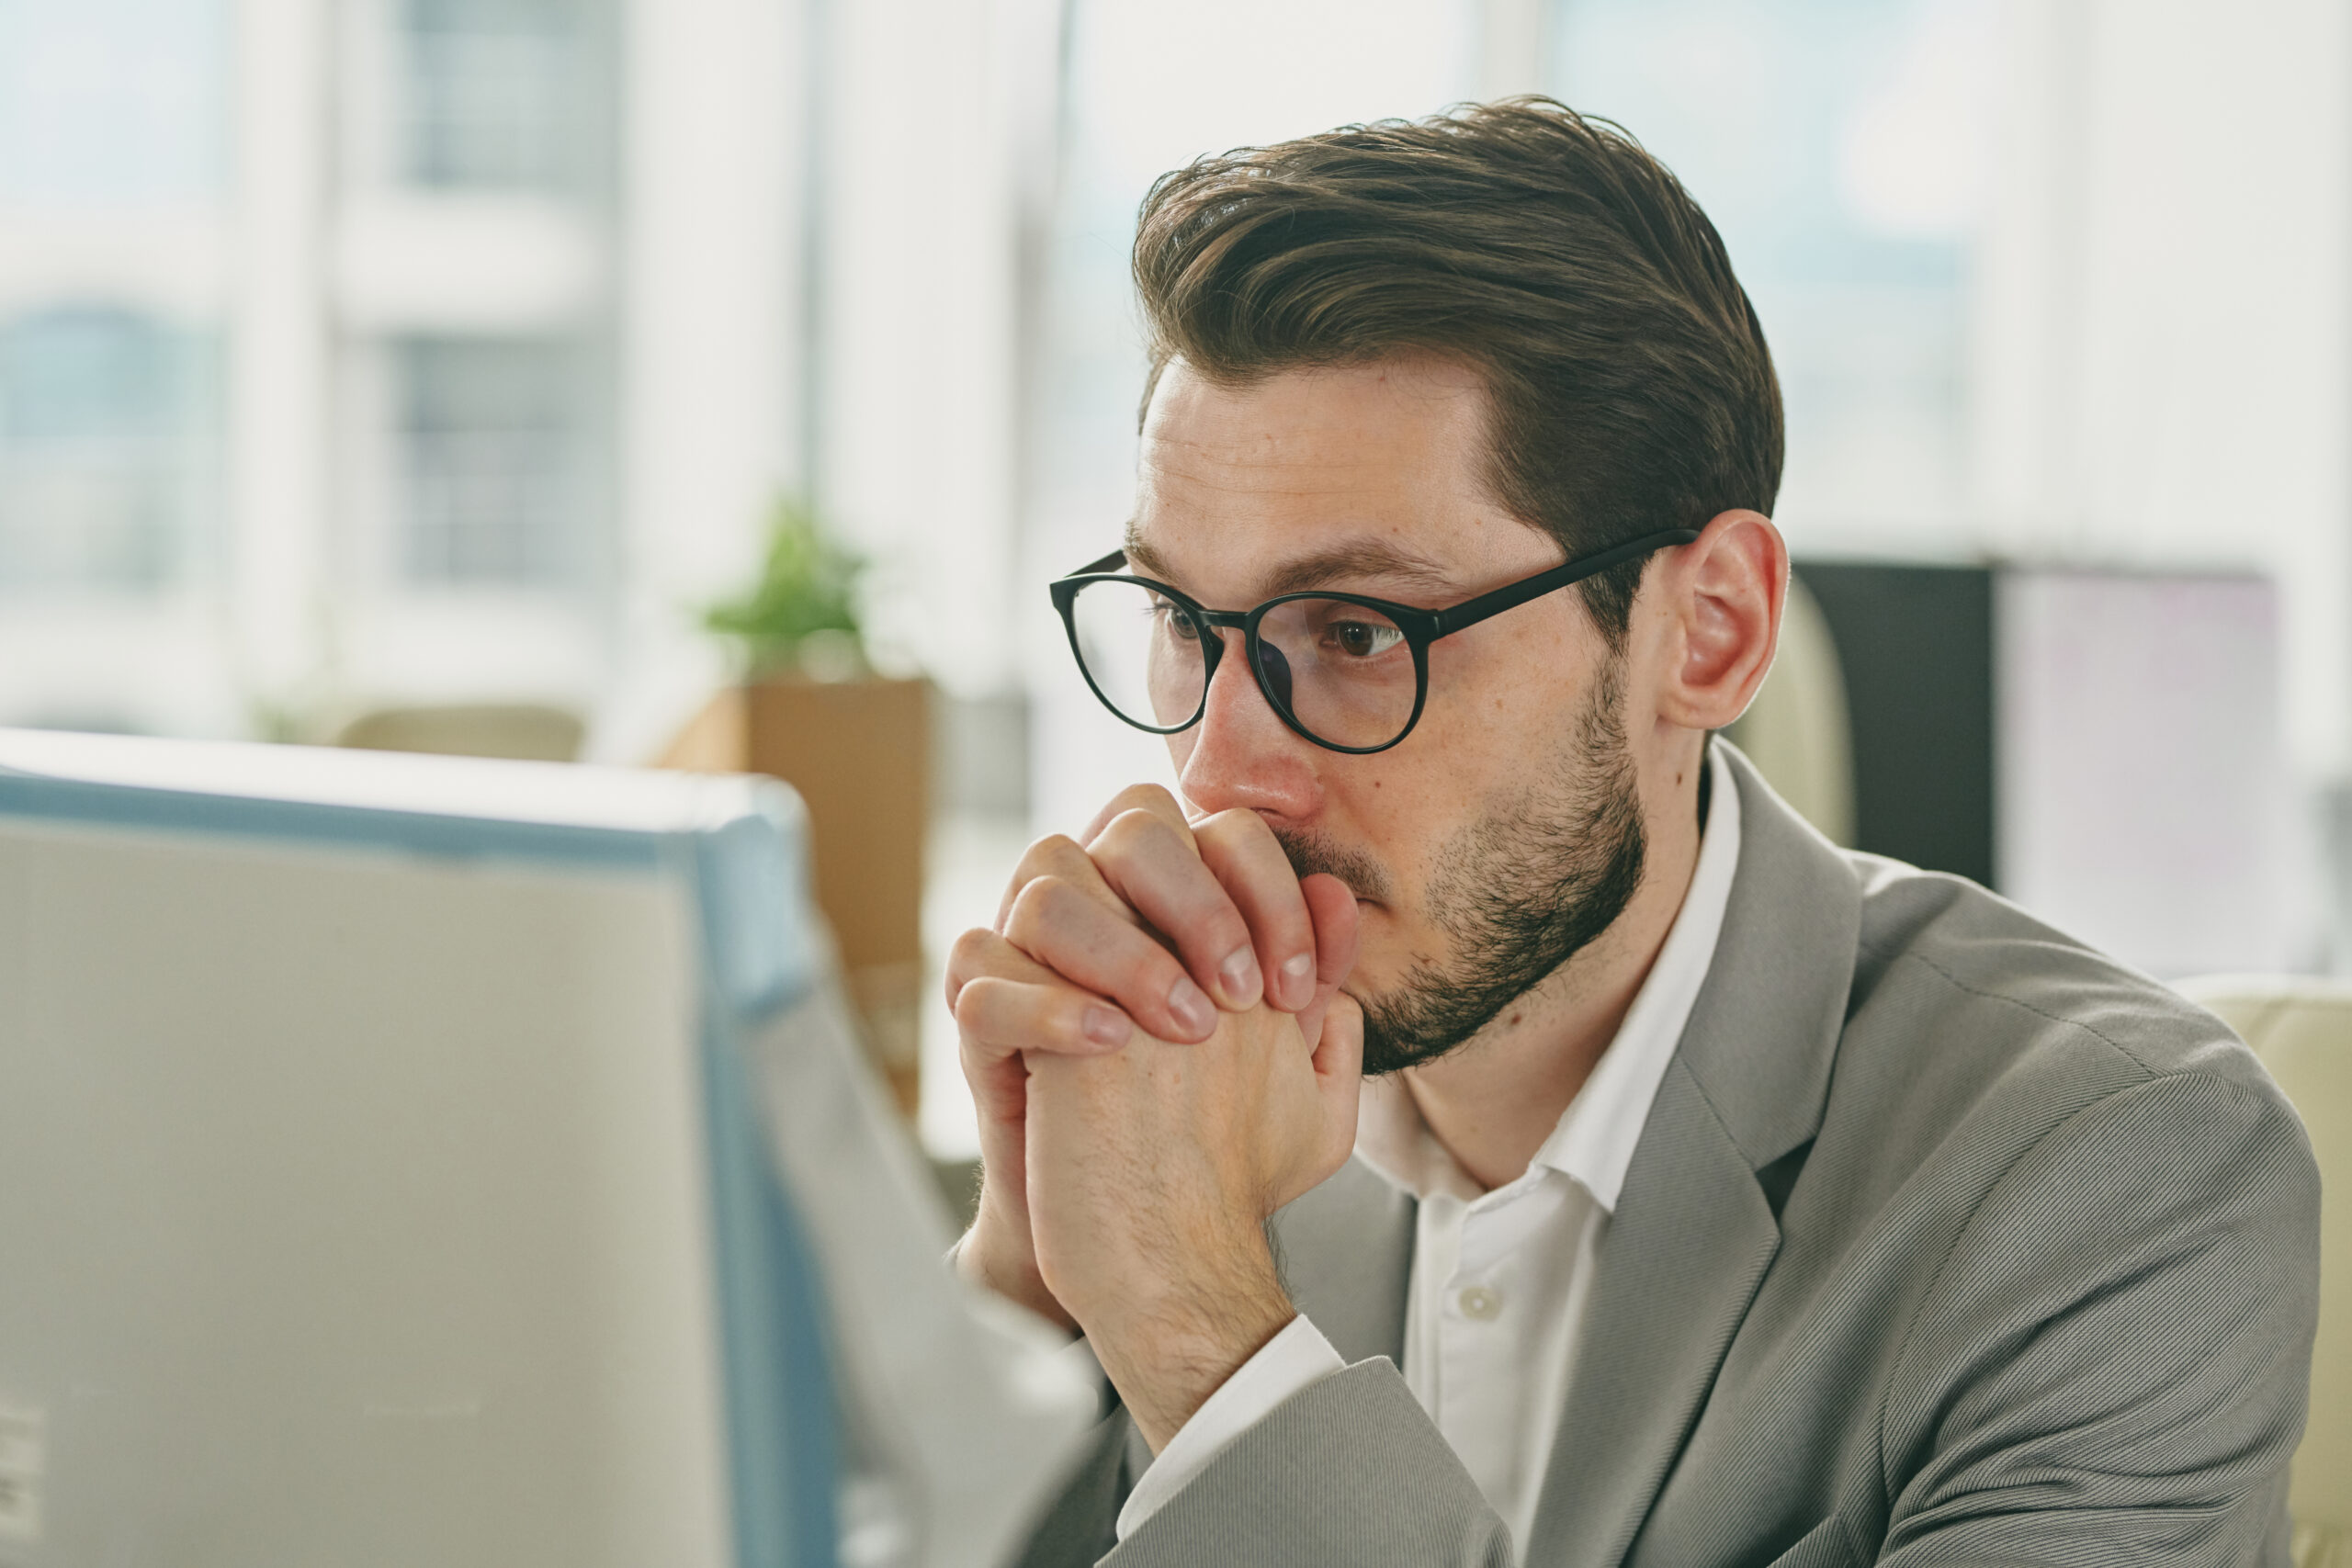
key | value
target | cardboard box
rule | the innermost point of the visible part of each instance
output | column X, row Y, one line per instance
column 859, row 753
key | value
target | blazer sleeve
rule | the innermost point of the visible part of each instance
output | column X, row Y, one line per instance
column 1348, row 1470
column 2113, row 1363
column 1081, row 1525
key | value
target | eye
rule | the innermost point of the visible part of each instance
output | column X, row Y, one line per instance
column 1362, row 639
column 1170, row 616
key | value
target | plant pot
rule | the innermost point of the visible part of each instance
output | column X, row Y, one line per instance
column 859, row 754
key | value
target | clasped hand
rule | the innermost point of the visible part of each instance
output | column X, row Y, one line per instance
column 1162, row 1057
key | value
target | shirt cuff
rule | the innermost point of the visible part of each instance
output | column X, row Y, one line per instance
column 1293, row 1358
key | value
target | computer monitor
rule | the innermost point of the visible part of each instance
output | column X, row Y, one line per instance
column 421, row 1160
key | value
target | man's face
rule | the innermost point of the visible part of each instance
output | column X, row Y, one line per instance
column 1505, row 832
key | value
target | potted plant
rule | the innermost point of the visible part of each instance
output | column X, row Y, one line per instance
column 811, row 711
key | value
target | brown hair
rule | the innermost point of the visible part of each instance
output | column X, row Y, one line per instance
column 1631, row 388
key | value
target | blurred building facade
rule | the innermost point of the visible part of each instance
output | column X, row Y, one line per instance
column 364, row 351
column 358, row 350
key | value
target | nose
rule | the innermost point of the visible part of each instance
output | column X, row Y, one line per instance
column 1241, row 754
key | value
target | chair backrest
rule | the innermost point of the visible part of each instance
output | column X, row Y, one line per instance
column 2302, row 1028
column 527, row 732
column 1797, row 730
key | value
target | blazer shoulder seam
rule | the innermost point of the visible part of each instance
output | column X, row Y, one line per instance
column 1956, row 983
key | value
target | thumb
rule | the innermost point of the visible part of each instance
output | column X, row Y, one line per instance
column 1339, row 1077
column 1332, row 908
column 1338, row 1050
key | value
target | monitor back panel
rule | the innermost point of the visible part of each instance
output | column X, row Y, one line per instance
column 353, row 1210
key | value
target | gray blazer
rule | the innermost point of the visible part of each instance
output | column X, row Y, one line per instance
column 1947, row 1241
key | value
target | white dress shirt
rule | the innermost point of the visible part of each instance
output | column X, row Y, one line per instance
column 1499, row 1279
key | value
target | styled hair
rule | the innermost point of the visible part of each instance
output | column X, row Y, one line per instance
column 1630, row 390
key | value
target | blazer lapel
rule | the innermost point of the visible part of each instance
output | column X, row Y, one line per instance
column 1692, row 1233
column 1688, row 1244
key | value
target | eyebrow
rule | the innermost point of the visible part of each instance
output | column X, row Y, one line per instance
column 1325, row 569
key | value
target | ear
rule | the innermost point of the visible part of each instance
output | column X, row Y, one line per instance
column 1724, row 598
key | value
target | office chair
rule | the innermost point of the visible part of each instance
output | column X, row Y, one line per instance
column 526, row 731
column 1797, row 730
column 2302, row 1028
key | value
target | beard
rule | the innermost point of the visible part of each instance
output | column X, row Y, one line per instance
column 1518, row 893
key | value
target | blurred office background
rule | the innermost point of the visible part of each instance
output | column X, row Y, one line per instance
column 391, row 355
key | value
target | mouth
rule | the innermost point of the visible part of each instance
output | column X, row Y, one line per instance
column 1312, row 855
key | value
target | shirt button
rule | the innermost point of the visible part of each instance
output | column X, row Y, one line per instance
column 1481, row 1302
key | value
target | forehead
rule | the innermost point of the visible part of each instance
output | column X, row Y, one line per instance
column 1234, row 481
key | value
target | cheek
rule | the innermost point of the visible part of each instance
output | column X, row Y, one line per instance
column 1469, row 759
column 1403, row 815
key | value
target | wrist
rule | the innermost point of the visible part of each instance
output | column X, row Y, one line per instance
column 1167, row 1351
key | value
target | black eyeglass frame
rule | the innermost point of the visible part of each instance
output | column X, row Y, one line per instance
column 1421, row 628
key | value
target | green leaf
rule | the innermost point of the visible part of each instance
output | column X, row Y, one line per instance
column 808, row 584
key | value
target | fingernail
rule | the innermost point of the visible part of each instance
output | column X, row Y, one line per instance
column 1192, row 1006
column 1105, row 1027
column 1298, row 975
column 1239, row 973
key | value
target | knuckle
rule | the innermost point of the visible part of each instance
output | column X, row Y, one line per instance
column 1036, row 908
column 1236, row 826
column 977, row 1009
column 1122, row 832
column 1055, row 852
column 1150, row 800
column 1144, row 797
column 966, row 1008
column 1144, row 828
column 970, row 951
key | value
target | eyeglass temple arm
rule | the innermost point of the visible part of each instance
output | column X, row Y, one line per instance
column 1470, row 612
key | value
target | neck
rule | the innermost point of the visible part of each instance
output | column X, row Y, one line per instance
column 1493, row 1102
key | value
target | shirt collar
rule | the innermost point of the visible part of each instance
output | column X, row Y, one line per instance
column 1594, row 1142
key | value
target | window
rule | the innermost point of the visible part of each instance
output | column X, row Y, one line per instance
column 1839, row 147
column 492, row 462
column 496, row 93
column 103, row 449
column 111, row 103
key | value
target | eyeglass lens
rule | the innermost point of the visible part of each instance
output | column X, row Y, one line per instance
column 1344, row 671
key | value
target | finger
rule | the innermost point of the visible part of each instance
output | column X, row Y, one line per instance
column 1057, row 854
column 1338, row 1050
column 1337, row 933
column 1146, row 798
column 1006, row 1018
column 1338, row 1077
column 1157, row 868
column 1247, row 861
column 1074, row 935
column 980, row 953
column 999, row 1080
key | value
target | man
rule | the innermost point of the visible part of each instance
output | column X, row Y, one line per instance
column 1649, row 1181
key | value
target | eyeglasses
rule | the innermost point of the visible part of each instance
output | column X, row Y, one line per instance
column 1349, row 672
